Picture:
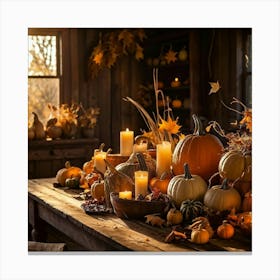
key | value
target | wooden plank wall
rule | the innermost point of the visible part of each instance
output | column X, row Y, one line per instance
column 221, row 51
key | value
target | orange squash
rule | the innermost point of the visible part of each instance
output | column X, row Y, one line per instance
column 162, row 182
column 225, row 230
column 247, row 202
column 202, row 151
column 67, row 172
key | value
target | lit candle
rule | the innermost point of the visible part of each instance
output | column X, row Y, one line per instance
column 99, row 162
column 140, row 148
column 164, row 157
column 176, row 82
column 125, row 195
column 126, row 142
column 141, row 182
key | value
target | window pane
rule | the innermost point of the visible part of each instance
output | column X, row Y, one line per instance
column 42, row 56
column 42, row 92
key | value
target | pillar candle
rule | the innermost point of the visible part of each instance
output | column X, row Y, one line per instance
column 99, row 162
column 126, row 142
column 164, row 157
column 125, row 195
column 141, row 182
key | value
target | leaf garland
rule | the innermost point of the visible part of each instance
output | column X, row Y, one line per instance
column 115, row 44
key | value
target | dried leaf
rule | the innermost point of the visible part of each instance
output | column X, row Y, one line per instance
column 215, row 87
column 170, row 125
column 170, row 56
column 139, row 54
column 98, row 58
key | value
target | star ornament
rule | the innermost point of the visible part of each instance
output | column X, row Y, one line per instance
column 170, row 56
column 215, row 87
column 169, row 125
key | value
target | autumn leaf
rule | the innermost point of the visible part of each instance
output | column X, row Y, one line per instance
column 139, row 52
column 215, row 87
column 127, row 38
column 98, row 58
column 141, row 34
column 247, row 119
column 170, row 56
column 170, row 125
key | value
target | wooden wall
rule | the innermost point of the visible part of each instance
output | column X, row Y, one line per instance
column 215, row 54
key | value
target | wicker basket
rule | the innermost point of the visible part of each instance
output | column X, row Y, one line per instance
column 135, row 209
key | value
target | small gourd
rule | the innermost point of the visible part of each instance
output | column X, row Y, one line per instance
column 187, row 186
column 97, row 190
column 53, row 130
column 174, row 217
column 162, row 182
column 222, row 197
column 67, row 172
column 38, row 128
column 200, row 235
column 72, row 183
column 191, row 209
column 225, row 230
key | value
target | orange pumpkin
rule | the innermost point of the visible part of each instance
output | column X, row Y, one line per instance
column 67, row 172
column 225, row 230
column 88, row 166
column 162, row 182
column 97, row 190
column 202, row 152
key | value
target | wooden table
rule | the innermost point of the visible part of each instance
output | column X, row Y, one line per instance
column 62, row 210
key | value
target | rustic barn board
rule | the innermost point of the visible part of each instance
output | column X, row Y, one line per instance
column 60, row 209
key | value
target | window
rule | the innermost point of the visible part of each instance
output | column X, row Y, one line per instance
column 44, row 72
column 247, row 67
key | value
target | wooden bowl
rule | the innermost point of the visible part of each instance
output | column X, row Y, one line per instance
column 116, row 159
column 135, row 209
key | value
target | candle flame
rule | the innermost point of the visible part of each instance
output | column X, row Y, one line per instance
column 127, row 129
column 176, row 79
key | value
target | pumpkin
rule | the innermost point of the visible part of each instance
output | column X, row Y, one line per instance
column 31, row 133
column 235, row 164
column 53, row 130
column 202, row 151
column 183, row 54
column 200, row 235
column 174, row 217
column 187, row 186
column 133, row 164
column 191, row 209
column 247, row 202
column 225, row 230
column 177, row 103
column 222, row 197
column 115, row 181
column 162, row 182
column 67, row 172
column 202, row 222
column 243, row 187
column 97, row 190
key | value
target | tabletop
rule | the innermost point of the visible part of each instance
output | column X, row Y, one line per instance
column 61, row 208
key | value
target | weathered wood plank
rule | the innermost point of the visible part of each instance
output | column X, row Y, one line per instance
column 107, row 232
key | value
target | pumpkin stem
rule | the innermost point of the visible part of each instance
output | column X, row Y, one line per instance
column 198, row 128
column 142, row 162
column 224, row 185
column 67, row 164
column 187, row 171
